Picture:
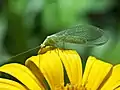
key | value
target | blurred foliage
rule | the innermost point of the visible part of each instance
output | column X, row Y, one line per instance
column 24, row 24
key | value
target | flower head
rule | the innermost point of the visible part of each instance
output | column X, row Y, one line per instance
column 55, row 66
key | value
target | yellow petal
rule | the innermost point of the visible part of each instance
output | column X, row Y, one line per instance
column 117, row 88
column 113, row 82
column 51, row 67
column 23, row 74
column 73, row 66
column 95, row 73
column 36, row 71
column 35, row 60
column 6, row 84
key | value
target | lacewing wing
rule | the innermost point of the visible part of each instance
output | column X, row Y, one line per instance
column 86, row 35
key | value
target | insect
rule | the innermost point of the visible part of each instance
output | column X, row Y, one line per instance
column 86, row 35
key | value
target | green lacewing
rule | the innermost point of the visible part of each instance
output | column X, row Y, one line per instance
column 86, row 35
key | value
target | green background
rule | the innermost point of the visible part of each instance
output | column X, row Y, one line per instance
column 24, row 24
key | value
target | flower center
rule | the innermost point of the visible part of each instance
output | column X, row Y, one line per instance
column 71, row 87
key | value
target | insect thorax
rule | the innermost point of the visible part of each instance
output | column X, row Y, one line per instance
column 53, row 40
column 49, row 41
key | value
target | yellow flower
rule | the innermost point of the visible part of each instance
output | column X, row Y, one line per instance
column 54, row 66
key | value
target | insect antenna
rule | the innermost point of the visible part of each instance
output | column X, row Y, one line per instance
column 24, row 52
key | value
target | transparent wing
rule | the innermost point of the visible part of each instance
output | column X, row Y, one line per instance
column 83, row 34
